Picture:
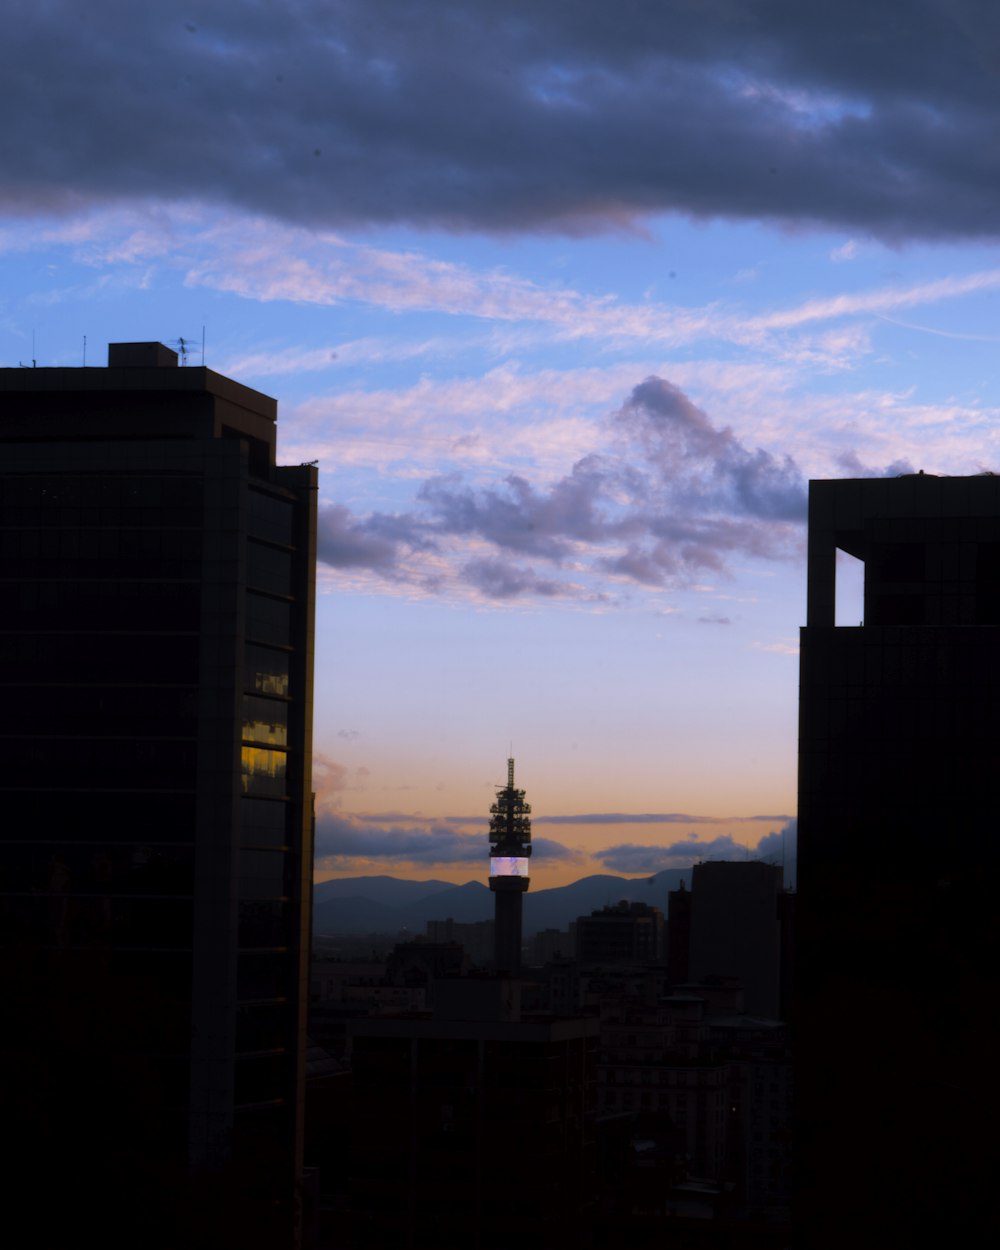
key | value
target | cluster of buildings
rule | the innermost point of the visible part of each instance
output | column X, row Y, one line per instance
column 631, row 1083
column 666, row 1091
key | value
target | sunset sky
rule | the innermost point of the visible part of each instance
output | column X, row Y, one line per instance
column 569, row 300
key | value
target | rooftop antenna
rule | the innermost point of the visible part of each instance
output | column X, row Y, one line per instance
column 183, row 346
column 34, row 362
column 203, row 347
column 85, row 351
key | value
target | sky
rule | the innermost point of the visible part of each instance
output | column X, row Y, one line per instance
column 569, row 300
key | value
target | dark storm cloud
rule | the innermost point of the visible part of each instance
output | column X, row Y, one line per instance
column 517, row 516
column 708, row 468
column 675, row 496
column 500, row 579
column 775, row 848
column 679, row 497
column 783, row 843
column 630, row 857
column 342, row 835
column 782, row 848
column 853, row 467
column 345, row 542
column 357, row 838
column 512, row 114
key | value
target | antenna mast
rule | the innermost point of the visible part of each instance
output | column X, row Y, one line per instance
column 510, row 852
column 183, row 346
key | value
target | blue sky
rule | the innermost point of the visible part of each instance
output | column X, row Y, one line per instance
column 569, row 311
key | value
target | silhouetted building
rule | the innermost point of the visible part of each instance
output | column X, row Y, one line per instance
column 510, row 849
column 896, row 1011
column 622, row 933
column 678, row 934
column 475, row 937
column 553, row 944
column 735, row 930
column 477, row 1122
column 156, row 613
column 711, row 1082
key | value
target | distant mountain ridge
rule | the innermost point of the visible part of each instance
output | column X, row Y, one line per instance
column 360, row 905
column 384, row 889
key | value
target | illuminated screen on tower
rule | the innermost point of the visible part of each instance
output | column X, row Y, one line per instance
column 508, row 866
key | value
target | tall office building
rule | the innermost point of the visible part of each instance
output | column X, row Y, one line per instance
column 157, row 574
column 510, row 849
column 735, row 930
column 896, row 1011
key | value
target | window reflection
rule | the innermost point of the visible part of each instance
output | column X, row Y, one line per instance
column 263, row 771
column 267, row 671
column 264, row 721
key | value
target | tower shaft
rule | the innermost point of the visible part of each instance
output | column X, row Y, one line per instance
column 510, row 851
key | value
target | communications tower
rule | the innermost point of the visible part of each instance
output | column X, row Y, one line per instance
column 510, row 849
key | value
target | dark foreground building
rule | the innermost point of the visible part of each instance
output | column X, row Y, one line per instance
column 156, row 609
column 897, row 1010
column 473, row 1127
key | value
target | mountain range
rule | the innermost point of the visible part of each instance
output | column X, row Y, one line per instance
column 360, row 905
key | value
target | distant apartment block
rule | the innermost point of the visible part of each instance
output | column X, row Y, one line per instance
column 713, row 1083
column 476, row 938
column 621, row 933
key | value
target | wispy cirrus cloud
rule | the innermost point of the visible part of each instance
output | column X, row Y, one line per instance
column 878, row 301
column 264, row 261
column 504, row 415
column 650, row 818
column 579, row 818
column 285, row 361
column 258, row 261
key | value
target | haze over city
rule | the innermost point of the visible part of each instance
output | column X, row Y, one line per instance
column 569, row 308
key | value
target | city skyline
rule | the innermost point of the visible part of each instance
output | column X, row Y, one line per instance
column 566, row 379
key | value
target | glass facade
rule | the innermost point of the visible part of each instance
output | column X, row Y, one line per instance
column 156, row 583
